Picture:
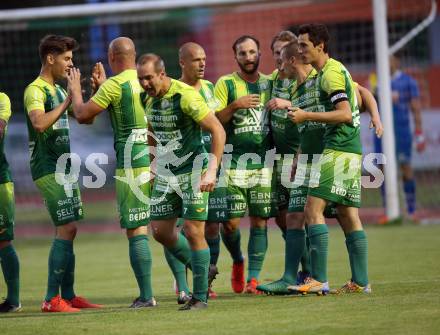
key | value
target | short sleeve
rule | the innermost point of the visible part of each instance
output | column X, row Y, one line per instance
column 333, row 81
column 5, row 107
column 34, row 98
column 193, row 105
column 221, row 94
column 108, row 93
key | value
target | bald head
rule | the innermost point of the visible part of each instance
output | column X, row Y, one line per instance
column 188, row 50
column 122, row 47
column 192, row 60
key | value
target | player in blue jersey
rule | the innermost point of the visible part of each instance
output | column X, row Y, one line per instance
column 405, row 95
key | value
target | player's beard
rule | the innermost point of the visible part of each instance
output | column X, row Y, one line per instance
column 253, row 69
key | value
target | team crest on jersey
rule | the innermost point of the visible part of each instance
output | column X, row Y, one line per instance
column 164, row 104
column 286, row 83
column 263, row 85
column 213, row 103
column 208, row 94
column 310, row 83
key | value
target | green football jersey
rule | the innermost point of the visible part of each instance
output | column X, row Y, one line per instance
column 306, row 97
column 248, row 129
column 45, row 148
column 121, row 96
column 175, row 121
column 5, row 114
column 335, row 84
column 284, row 132
column 207, row 93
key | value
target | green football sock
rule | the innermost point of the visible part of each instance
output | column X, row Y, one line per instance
column 140, row 260
column 59, row 257
column 295, row 245
column 257, row 247
column 181, row 250
column 200, row 266
column 214, row 249
column 11, row 272
column 232, row 242
column 318, row 235
column 357, row 246
column 67, row 291
column 178, row 269
column 305, row 259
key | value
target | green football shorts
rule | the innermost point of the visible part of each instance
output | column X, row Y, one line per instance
column 217, row 203
column 7, row 211
column 337, row 178
column 133, row 196
column 283, row 176
column 300, row 189
column 63, row 201
column 252, row 190
column 173, row 197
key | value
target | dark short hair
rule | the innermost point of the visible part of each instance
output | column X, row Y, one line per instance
column 243, row 38
column 318, row 33
column 283, row 36
column 291, row 49
column 158, row 63
column 56, row 44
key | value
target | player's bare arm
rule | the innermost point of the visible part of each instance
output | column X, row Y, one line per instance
column 248, row 101
column 213, row 126
column 152, row 143
column 341, row 114
column 418, row 130
column 3, row 125
column 278, row 103
column 368, row 103
column 416, row 110
column 83, row 112
column 41, row 120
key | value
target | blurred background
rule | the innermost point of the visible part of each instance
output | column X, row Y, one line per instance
column 215, row 27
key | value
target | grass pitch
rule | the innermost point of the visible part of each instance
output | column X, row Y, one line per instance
column 404, row 272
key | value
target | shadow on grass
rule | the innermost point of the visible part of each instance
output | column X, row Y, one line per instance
column 118, row 304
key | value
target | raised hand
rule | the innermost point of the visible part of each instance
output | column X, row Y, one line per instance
column 98, row 76
column 74, row 81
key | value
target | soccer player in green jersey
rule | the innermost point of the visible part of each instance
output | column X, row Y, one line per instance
column 284, row 132
column 177, row 113
column 192, row 60
column 336, row 177
column 8, row 257
column 311, row 134
column 295, row 240
column 285, row 135
column 242, row 96
column 46, row 104
column 120, row 96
